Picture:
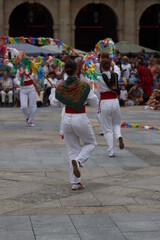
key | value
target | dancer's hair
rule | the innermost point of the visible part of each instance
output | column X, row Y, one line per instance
column 70, row 67
column 105, row 64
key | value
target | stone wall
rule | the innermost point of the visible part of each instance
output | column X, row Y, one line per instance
column 64, row 12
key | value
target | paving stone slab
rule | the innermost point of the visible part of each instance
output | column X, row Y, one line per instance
column 16, row 235
column 52, row 224
column 58, row 237
column 100, row 234
column 143, row 235
column 136, row 216
column 15, row 223
column 138, row 226
column 92, row 221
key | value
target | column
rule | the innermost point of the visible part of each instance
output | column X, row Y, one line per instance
column 120, row 34
column 137, row 34
column 1, row 17
column 56, row 31
column 64, row 21
column 130, row 21
column 73, row 28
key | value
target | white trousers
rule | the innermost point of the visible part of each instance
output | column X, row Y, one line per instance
column 77, row 127
column 28, row 102
column 111, row 122
column 9, row 94
column 61, row 131
column 97, row 110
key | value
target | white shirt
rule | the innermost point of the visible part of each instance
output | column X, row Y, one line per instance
column 101, row 83
column 16, row 81
column 117, row 70
column 8, row 83
column 84, row 78
column 97, row 68
column 20, row 72
column 127, row 68
column 123, row 94
column 53, row 81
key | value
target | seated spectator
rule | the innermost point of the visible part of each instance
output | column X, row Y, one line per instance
column 135, row 95
column 123, row 96
column 47, row 86
column 133, row 76
column 154, row 100
column 7, row 89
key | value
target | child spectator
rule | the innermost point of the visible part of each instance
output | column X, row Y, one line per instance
column 123, row 96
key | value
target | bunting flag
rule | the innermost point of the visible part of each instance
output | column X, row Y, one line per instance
column 40, row 40
column 140, row 126
column 90, row 59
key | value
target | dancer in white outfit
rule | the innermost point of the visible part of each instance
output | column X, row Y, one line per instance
column 73, row 93
column 110, row 109
column 27, row 95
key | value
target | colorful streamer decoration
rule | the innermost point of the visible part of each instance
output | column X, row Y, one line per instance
column 107, row 42
column 40, row 40
column 90, row 58
column 139, row 126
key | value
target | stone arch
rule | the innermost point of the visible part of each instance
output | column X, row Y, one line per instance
column 150, row 26
column 49, row 5
column 141, row 6
column 30, row 19
column 115, row 6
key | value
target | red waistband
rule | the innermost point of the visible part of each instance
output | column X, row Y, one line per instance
column 72, row 111
column 28, row 83
column 108, row 95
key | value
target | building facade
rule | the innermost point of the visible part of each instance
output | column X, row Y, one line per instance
column 81, row 23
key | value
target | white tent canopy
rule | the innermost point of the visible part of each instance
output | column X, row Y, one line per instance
column 56, row 49
column 126, row 47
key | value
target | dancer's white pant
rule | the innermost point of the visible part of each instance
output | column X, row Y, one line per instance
column 97, row 109
column 77, row 127
column 28, row 102
column 9, row 94
column 111, row 122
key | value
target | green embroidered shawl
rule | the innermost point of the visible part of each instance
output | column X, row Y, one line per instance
column 73, row 93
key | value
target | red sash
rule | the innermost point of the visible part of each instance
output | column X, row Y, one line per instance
column 108, row 95
column 72, row 111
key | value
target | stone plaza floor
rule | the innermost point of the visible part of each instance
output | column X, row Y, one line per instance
column 121, row 200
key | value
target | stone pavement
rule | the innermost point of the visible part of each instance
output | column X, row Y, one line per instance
column 122, row 195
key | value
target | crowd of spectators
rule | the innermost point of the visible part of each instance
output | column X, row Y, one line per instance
column 139, row 78
column 139, row 81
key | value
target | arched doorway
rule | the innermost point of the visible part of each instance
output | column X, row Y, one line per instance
column 31, row 19
column 150, row 28
column 94, row 22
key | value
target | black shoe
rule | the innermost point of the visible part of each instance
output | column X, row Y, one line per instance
column 121, row 144
column 76, row 169
column 101, row 134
